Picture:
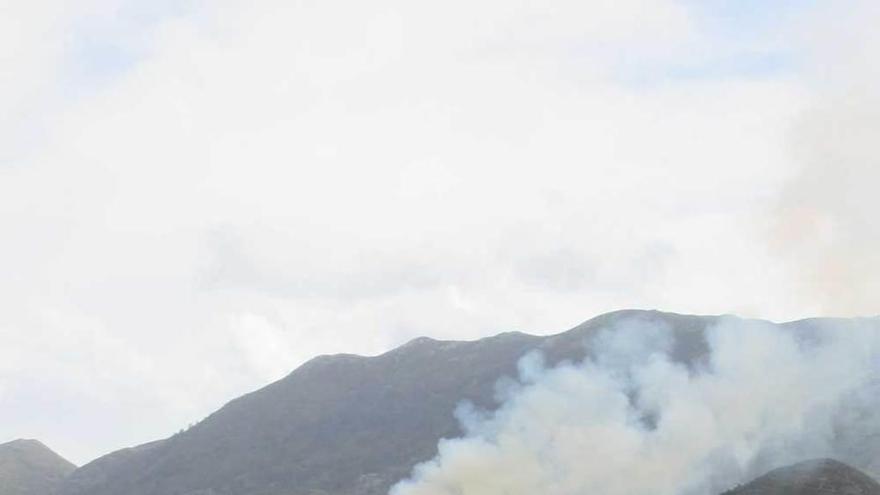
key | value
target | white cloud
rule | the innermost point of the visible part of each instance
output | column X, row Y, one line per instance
column 827, row 221
column 260, row 183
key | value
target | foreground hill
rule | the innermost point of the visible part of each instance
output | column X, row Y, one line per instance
column 816, row 477
column 27, row 467
column 344, row 424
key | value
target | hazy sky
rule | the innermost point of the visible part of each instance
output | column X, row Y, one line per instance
column 196, row 197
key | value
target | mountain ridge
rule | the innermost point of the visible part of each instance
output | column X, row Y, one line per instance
column 811, row 477
column 28, row 467
column 345, row 424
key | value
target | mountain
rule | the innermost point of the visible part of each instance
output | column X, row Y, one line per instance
column 343, row 424
column 815, row 477
column 349, row 425
column 27, row 467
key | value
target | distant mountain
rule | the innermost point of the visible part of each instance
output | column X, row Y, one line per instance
column 27, row 467
column 345, row 424
column 816, row 477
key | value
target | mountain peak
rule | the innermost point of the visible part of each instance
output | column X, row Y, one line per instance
column 355, row 425
column 812, row 477
column 30, row 446
column 23, row 443
column 28, row 467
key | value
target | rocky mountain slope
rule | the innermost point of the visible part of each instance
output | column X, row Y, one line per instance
column 340, row 425
column 345, row 424
column 815, row 477
column 27, row 467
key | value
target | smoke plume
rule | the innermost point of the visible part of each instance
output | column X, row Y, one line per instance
column 826, row 219
column 632, row 420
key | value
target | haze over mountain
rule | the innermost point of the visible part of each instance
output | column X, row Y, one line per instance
column 27, row 467
column 352, row 425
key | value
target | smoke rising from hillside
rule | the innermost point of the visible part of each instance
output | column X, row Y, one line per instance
column 634, row 421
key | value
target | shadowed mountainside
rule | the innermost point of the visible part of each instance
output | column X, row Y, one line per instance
column 27, row 467
column 815, row 477
column 350, row 425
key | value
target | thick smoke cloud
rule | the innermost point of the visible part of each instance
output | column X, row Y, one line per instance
column 634, row 421
column 826, row 219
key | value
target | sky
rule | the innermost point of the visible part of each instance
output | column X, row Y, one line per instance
column 197, row 197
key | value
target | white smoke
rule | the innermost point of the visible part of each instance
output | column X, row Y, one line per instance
column 826, row 222
column 634, row 421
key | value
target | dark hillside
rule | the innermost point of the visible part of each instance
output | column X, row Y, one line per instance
column 344, row 424
column 816, row 477
column 27, row 467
